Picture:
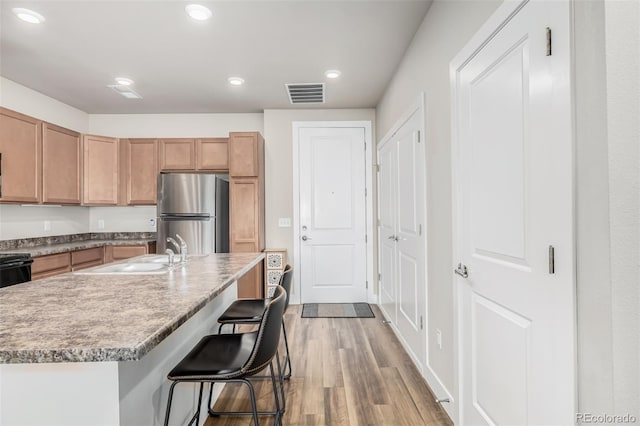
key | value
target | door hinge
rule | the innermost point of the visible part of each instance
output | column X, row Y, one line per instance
column 366, row 284
column 552, row 260
column 379, row 222
column 548, row 41
column 365, row 192
column 379, row 276
column 418, row 136
column 421, row 325
column 420, row 229
column 365, row 145
column 377, row 168
column 366, row 239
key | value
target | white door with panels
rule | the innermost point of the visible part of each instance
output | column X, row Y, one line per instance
column 402, row 234
column 387, row 212
column 514, row 219
column 333, row 256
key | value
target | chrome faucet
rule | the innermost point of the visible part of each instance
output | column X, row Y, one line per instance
column 183, row 248
column 175, row 244
column 170, row 254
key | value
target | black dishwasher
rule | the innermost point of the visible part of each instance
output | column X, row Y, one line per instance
column 15, row 268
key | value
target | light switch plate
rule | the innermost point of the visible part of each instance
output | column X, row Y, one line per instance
column 100, row 224
column 284, row 222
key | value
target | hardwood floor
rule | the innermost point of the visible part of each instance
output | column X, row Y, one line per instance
column 346, row 371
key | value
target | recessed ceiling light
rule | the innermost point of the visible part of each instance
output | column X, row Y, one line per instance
column 123, row 81
column 198, row 12
column 332, row 73
column 236, row 81
column 28, row 15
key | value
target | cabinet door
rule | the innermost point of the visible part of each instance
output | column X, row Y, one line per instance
column 21, row 161
column 244, row 217
column 177, row 154
column 50, row 265
column 140, row 171
column 245, row 154
column 100, row 170
column 212, row 154
column 86, row 258
column 113, row 253
column 61, row 165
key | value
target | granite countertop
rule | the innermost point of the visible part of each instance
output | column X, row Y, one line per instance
column 85, row 318
column 44, row 246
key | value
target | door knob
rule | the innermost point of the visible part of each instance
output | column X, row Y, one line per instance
column 462, row 270
column 393, row 237
column 305, row 238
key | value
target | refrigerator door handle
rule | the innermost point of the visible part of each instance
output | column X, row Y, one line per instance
column 173, row 217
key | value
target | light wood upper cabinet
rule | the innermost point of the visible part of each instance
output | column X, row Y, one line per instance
column 21, row 162
column 212, row 154
column 139, row 171
column 246, row 154
column 100, row 168
column 61, row 165
column 177, row 154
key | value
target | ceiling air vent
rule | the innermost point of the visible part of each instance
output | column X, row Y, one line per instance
column 125, row 91
column 306, row 93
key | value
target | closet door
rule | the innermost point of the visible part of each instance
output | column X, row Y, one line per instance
column 401, row 229
column 387, row 195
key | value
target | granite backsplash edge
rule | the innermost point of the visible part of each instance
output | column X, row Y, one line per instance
column 23, row 243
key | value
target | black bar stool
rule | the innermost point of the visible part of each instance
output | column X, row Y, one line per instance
column 249, row 311
column 234, row 358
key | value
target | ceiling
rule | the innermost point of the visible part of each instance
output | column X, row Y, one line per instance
column 180, row 65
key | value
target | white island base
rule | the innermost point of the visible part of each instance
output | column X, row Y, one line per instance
column 131, row 393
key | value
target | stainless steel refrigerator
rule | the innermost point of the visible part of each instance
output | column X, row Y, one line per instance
column 195, row 206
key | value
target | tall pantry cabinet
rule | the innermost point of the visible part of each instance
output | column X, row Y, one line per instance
column 246, row 202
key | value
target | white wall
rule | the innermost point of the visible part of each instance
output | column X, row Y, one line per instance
column 425, row 67
column 22, row 99
column 29, row 221
column 278, row 134
column 622, row 20
column 173, row 125
column 122, row 219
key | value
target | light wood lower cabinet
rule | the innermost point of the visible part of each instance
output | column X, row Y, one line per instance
column 20, row 157
column 100, row 170
column 81, row 259
column 50, row 265
column 61, row 165
column 114, row 253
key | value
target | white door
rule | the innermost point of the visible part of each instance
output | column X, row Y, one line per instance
column 332, row 215
column 514, row 201
column 387, row 211
column 410, row 241
column 401, row 207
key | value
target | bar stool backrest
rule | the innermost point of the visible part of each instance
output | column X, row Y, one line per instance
column 285, row 282
column 268, row 333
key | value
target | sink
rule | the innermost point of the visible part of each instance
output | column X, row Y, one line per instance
column 153, row 258
column 135, row 268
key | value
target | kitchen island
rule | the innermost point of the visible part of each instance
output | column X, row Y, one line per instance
column 96, row 349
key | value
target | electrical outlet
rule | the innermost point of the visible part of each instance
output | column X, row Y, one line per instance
column 47, row 225
column 152, row 222
column 100, row 224
column 439, row 338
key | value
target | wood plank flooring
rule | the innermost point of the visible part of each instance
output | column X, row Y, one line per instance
column 346, row 371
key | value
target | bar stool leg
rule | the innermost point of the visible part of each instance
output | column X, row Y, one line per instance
column 253, row 401
column 286, row 346
column 166, row 416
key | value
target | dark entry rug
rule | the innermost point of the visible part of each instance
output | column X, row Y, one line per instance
column 337, row 310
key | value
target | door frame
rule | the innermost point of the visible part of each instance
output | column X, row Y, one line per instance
column 503, row 14
column 371, row 237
